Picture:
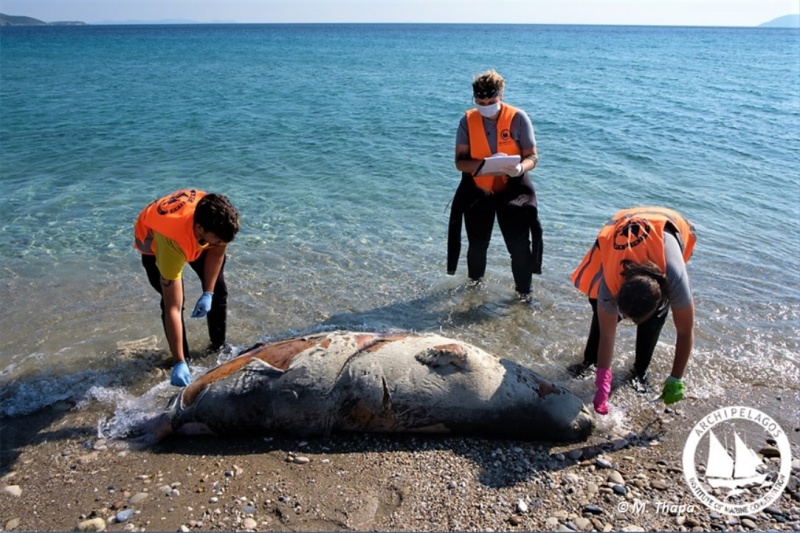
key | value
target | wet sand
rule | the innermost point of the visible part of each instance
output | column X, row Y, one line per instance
column 57, row 474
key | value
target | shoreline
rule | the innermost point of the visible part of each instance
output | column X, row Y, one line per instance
column 56, row 474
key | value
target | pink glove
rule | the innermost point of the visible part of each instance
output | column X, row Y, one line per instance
column 603, row 384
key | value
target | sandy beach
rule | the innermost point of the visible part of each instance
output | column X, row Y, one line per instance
column 57, row 474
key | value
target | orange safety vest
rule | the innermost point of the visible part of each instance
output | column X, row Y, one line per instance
column 173, row 217
column 635, row 234
column 479, row 144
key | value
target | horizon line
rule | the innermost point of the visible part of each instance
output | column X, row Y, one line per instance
column 178, row 22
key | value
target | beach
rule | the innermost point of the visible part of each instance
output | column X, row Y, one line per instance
column 335, row 142
column 60, row 475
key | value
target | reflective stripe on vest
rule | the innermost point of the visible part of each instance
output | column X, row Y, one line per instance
column 637, row 235
column 479, row 145
column 173, row 217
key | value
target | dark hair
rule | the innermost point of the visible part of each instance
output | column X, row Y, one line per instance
column 643, row 289
column 215, row 213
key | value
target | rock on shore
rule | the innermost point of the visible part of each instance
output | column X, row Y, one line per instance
column 57, row 475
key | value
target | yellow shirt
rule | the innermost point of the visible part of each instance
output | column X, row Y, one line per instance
column 170, row 259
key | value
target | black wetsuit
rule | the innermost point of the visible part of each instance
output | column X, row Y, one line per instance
column 517, row 215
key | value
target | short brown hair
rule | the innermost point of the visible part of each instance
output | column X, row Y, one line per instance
column 488, row 84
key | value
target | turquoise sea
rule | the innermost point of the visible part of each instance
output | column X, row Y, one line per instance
column 336, row 143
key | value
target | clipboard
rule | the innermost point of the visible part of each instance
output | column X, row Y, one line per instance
column 495, row 163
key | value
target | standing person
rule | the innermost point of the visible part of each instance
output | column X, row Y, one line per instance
column 187, row 226
column 637, row 269
column 494, row 127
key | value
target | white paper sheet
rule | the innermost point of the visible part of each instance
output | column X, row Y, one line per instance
column 495, row 163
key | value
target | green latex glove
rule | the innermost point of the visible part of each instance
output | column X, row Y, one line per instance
column 673, row 390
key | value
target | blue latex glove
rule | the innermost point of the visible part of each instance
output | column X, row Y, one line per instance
column 203, row 305
column 180, row 375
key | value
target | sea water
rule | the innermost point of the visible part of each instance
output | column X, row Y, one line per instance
column 336, row 143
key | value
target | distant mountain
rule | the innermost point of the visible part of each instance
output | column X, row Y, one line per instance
column 12, row 20
column 137, row 22
column 786, row 21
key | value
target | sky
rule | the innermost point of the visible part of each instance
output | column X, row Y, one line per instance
column 624, row 12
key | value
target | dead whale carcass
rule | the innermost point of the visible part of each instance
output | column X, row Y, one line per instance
column 349, row 381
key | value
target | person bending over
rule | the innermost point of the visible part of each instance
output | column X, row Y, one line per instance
column 637, row 270
column 194, row 227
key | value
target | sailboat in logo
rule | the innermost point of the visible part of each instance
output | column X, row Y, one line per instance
column 723, row 471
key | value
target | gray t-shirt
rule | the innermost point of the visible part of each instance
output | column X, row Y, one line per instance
column 521, row 131
column 679, row 291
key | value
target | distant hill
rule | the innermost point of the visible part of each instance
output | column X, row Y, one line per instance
column 146, row 22
column 786, row 21
column 12, row 20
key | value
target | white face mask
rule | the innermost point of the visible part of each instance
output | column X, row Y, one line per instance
column 489, row 111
